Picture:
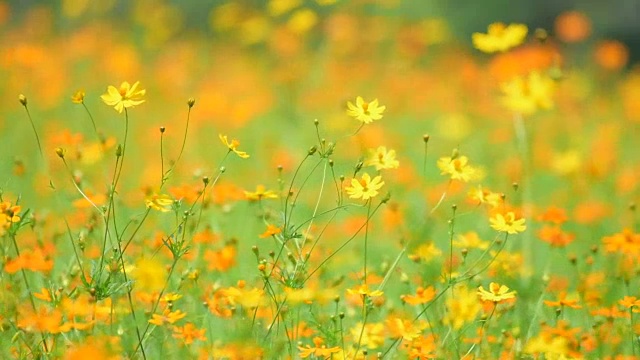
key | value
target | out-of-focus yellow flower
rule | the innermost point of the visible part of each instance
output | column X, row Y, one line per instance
column 366, row 112
column 382, row 159
column 365, row 188
column 462, row 308
column 425, row 252
column 526, row 95
column 280, row 7
column 78, row 97
column 260, row 193
column 457, row 168
column 302, row 21
column 125, row 97
column 500, row 37
column 496, row 293
column 233, row 146
column 159, row 202
column 363, row 290
column 483, row 196
column 507, row 223
column 148, row 274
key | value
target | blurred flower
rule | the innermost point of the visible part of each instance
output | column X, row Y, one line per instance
column 382, row 159
column 363, row 290
column 233, row 146
column 458, row 168
column 319, row 350
column 572, row 26
column 461, row 308
column 526, row 95
column 507, row 223
column 483, row 196
column 365, row 111
column 148, row 274
column 167, row 316
column 422, row 296
column 302, row 21
column 260, row 193
column 271, row 230
column 364, row 188
column 497, row 293
column 611, row 55
column 125, row 97
column 563, row 301
column 159, row 202
column 500, row 37
column 78, row 97
column 188, row 333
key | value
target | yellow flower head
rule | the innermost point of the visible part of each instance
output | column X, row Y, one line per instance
column 382, row 159
column 500, row 37
column 125, row 97
column 497, row 293
column 507, row 223
column 158, row 202
column 365, row 188
column 78, row 97
column 233, row 146
column 457, row 167
column 526, row 95
column 260, row 193
column 366, row 112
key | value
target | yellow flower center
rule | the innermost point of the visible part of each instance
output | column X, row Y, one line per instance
column 365, row 108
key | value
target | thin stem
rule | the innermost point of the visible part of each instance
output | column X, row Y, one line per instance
column 33, row 126
column 95, row 129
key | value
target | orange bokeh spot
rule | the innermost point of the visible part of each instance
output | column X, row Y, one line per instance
column 611, row 55
column 572, row 26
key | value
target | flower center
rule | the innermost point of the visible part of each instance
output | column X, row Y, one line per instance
column 365, row 108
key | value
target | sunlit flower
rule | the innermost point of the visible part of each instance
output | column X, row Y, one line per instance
column 78, row 97
column 500, row 37
column 125, row 97
column 480, row 195
column 507, row 223
column 159, row 202
column 365, row 188
column 457, row 167
column 526, row 95
column 366, row 112
column 496, row 293
column 233, row 146
column 382, row 159
column 260, row 193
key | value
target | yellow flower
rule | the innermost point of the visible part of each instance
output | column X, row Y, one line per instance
column 461, row 308
column 458, row 168
column 363, row 290
column 382, row 159
column 167, row 316
column 507, row 223
column 364, row 188
column 160, row 202
column 500, row 37
column 364, row 111
column 233, row 146
column 260, row 193
column 271, row 230
column 484, row 196
column 78, row 97
column 497, row 293
column 526, row 95
column 125, row 97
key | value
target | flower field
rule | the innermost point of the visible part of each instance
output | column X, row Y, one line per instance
column 314, row 179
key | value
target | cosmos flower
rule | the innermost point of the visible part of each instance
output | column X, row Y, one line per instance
column 496, row 293
column 365, row 188
column 125, row 97
column 366, row 112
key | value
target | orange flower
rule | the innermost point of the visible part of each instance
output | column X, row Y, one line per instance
column 563, row 301
column 319, row 350
column 167, row 316
column 422, row 296
column 188, row 333
column 554, row 215
column 221, row 260
column 271, row 230
column 555, row 236
column 363, row 290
